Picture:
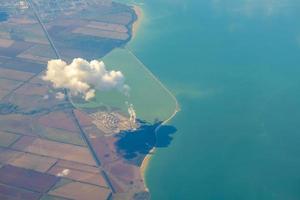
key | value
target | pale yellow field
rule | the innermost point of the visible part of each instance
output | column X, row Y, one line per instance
column 151, row 100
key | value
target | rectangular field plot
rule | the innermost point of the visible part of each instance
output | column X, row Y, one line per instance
column 32, row 89
column 6, row 84
column 30, row 104
column 14, row 74
column 107, row 26
column 7, row 155
column 11, row 193
column 39, row 53
column 59, row 120
column 77, row 166
column 78, row 175
column 34, row 162
column 120, row 18
column 80, row 191
column 15, row 48
column 50, row 197
column 101, row 33
column 83, row 118
column 15, row 123
column 6, row 139
column 25, row 160
column 23, row 65
column 62, row 136
column 55, row 150
column 27, row 179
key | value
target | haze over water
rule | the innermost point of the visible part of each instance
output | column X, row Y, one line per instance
column 234, row 67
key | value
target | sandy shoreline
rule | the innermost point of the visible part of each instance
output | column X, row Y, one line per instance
column 140, row 15
column 145, row 163
column 135, row 27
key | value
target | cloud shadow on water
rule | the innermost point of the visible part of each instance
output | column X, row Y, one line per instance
column 135, row 144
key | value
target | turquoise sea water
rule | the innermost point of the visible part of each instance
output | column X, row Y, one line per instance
column 234, row 67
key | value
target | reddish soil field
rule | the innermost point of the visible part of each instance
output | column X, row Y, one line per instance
column 116, row 185
column 83, row 118
column 125, row 176
column 78, row 166
column 124, row 171
column 15, row 75
column 55, row 150
column 7, row 155
column 81, row 191
column 33, row 89
column 34, row 162
column 27, row 179
column 24, row 142
column 105, row 148
column 6, row 84
column 58, row 120
column 78, row 175
column 123, row 183
column 28, row 103
column 16, row 123
column 23, row 65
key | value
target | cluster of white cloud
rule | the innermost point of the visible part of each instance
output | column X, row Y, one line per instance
column 84, row 78
column 59, row 95
column 64, row 172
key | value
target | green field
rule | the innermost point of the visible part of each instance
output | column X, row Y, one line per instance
column 150, row 99
column 63, row 136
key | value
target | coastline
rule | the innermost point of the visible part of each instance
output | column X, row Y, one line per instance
column 140, row 16
column 135, row 27
column 144, row 166
column 146, row 161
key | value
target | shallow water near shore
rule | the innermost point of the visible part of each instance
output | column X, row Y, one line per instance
column 234, row 67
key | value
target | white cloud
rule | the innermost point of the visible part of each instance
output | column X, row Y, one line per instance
column 64, row 172
column 59, row 95
column 84, row 78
